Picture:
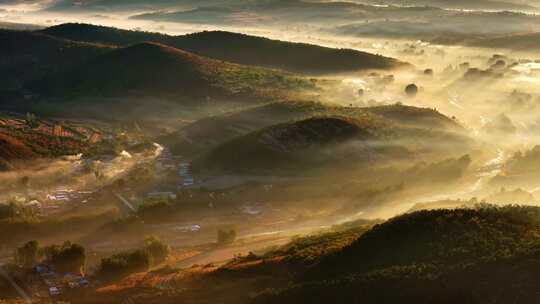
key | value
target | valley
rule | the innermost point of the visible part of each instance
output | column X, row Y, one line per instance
column 269, row 151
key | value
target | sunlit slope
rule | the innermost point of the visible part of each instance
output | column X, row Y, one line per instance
column 442, row 256
column 479, row 255
column 156, row 70
column 238, row 48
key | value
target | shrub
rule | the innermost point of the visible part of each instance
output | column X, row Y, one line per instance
column 226, row 237
column 125, row 263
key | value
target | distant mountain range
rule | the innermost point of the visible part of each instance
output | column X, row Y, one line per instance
column 89, row 66
column 236, row 48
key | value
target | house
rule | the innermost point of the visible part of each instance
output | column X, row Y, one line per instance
column 54, row 291
column 161, row 195
column 34, row 205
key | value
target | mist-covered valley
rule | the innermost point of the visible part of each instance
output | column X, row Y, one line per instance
column 269, row 151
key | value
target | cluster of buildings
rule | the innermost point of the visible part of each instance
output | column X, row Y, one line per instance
column 68, row 195
column 165, row 161
column 184, row 172
column 57, row 282
column 46, row 203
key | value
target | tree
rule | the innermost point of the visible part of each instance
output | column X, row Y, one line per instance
column 31, row 120
column 67, row 258
column 157, row 250
column 411, row 90
column 28, row 255
column 226, row 237
column 125, row 263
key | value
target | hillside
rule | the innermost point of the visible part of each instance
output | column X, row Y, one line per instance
column 332, row 137
column 212, row 131
column 155, row 70
column 237, row 48
column 30, row 55
column 24, row 139
column 439, row 256
column 416, row 117
column 445, row 256
column 299, row 144
column 518, row 42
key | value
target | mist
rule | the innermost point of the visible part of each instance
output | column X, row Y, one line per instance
column 184, row 144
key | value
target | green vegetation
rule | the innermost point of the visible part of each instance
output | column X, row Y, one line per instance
column 442, row 255
column 28, row 255
column 155, row 211
column 33, row 55
column 67, row 257
column 153, row 252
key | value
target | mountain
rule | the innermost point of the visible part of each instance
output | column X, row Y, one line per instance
column 237, row 48
column 462, row 4
column 119, row 5
column 442, row 26
column 155, row 70
column 28, row 55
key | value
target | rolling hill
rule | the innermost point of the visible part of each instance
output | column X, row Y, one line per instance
column 155, row 70
column 476, row 255
column 293, row 145
column 518, row 42
column 209, row 132
column 29, row 55
column 464, row 4
column 237, row 48
column 326, row 140
column 442, row 256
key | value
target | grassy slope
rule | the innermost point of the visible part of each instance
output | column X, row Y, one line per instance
column 237, row 48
